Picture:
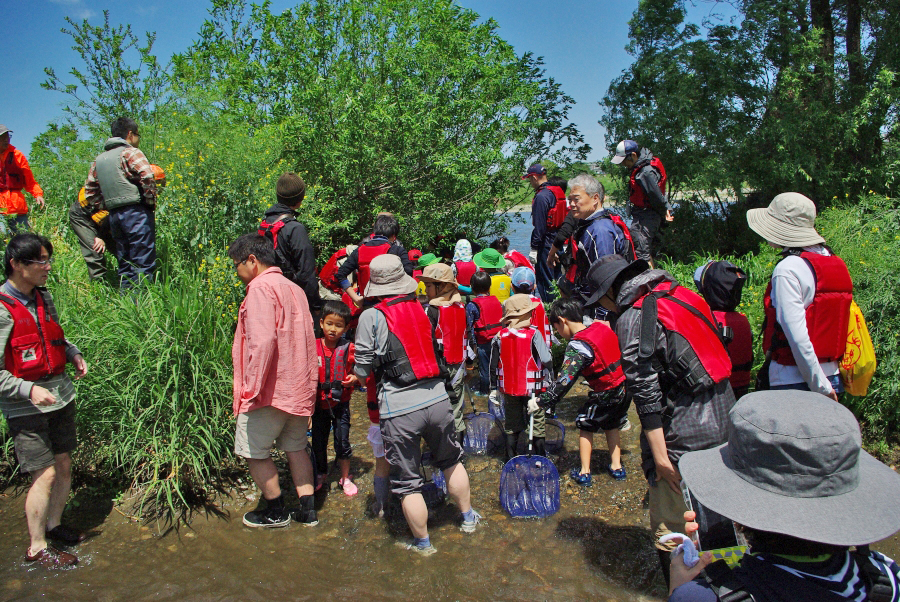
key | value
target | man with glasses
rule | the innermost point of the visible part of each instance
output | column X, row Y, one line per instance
column 121, row 181
column 15, row 177
column 36, row 396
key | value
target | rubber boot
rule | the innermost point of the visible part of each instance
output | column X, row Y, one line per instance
column 665, row 561
column 306, row 514
column 539, row 448
column 512, row 442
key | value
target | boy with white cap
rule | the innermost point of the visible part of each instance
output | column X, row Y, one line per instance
column 807, row 302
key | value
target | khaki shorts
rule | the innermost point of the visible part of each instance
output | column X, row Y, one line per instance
column 667, row 510
column 39, row 438
column 258, row 430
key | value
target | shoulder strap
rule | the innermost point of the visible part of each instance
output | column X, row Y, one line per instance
column 649, row 315
column 880, row 588
column 7, row 299
column 724, row 584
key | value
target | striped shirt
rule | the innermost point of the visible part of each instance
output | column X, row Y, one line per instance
column 15, row 393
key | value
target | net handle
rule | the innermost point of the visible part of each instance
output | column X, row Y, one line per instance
column 531, row 428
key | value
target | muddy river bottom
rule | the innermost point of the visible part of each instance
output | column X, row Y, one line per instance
column 597, row 547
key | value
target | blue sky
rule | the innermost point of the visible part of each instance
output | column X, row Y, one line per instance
column 582, row 42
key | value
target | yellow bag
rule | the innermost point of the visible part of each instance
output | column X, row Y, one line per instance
column 858, row 363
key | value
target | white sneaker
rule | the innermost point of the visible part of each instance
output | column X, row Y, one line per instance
column 468, row 526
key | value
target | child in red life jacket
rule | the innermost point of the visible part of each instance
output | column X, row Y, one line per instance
column 484, row 316
column 523, row 283
column 336, row 382
column 721, row 284
column 592, row 352
column 448, row 321
column 520, row 368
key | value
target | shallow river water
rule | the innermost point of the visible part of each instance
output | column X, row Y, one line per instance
column 597, row 547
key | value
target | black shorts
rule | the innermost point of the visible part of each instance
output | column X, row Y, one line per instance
column 604, row 411
column 40, row 437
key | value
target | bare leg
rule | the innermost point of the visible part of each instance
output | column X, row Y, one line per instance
column 37, row 504
column 59, row 494
column 613, row 443
column 344, row 463
column 416, row 513
column 265, row 475
column 458, row 486
column 301, row 472
column 382, row 468
column 585, row 447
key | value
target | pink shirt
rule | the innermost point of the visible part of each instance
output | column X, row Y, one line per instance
column 274, row 350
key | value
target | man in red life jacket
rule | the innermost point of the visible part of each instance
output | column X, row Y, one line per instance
column 647, row 195
column 541, row 236
column 448, row 321
column 16, row 176
column 382, row 241
column 676, row 369
column 807, row 302
column 36, row 395
column 721, row 283
column 394, row 340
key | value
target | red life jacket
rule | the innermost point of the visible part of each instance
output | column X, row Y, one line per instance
column 410, row 356
column 740, row 348
column 684, row 312
column 490, row 316
column 519, row 260
column 365, row 254
column 464, row 272
column 518, row 372
column 11, row 175
column 636, row 194
column 329, row 270
column 372, row 399
column 826, row 317
column 450, row 332
column 35, row 348
column 539, row 320
column 271, row 230
column 605, row 372
column 617, row 220
column 557, row 214
column 332, row 371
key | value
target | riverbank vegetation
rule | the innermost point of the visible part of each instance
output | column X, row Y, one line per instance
column 410, row 107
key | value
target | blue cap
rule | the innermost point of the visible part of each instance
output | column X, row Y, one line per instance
column 523, row 279
column 537, row 168
column 623, row 149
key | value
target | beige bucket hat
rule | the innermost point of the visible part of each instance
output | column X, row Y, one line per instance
column 387, row 277
column 517, row 311
column 788, row 221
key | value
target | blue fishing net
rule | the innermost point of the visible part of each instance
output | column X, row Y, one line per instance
column 498, row 411
column 555, row 436
column 481, row 429
column 435, row 488
column 529, row 487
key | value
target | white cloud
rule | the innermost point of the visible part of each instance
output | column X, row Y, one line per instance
column 77, row 8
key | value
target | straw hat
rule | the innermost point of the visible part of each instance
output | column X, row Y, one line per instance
column 788, row 221
column 517, row 311
column 793, row 465
column 387, row 277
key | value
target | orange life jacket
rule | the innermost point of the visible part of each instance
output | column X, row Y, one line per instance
column 11, row 175
column 35, row 349
column 605, row 372
column 636, row 194
column 364, row 255
column 518, row 373
column 827, row 316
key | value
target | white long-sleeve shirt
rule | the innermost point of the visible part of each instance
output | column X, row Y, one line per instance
column 793, row 289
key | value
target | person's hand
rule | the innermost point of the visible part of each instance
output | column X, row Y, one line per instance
column 553, row 257
column 41, row 396
column 833, row 396
column 666, row 472
column 99, row 246
column 309, row 423
column 533, row 406
column 494, row 398
column 532, row 255
column 680, row 573
column 81, row 367
column 669, row 216
column 40, row 201
column 351, row 380
column 357, row 300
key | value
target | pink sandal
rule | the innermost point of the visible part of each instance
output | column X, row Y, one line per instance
column 349, row 487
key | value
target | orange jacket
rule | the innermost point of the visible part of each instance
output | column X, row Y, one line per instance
column 12, row 202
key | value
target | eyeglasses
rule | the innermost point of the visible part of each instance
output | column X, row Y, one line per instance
column 240, row 263
column 41, row 262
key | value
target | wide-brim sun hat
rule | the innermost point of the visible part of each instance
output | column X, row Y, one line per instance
column 490, row 258
column 438, row 272
column 788, row 221
column 794, row 465
column 604, row 272
column 427, row 259
column 387, row 277
column 517, row 310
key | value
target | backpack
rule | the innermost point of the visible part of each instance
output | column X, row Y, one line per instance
column 271, row 230
column 858, row 364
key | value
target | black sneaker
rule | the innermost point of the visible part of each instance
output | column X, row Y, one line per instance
column 269, row 518
column 306, row 513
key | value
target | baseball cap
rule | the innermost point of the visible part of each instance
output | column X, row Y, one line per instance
column 523, row 278
column 537, row 168
column 623, row 149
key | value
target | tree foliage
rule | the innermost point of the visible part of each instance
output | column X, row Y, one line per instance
column 790, row 95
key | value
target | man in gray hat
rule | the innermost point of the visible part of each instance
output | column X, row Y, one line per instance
column 676, row 370
column 796, row 482
column 394, row 340
column 807, row 302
